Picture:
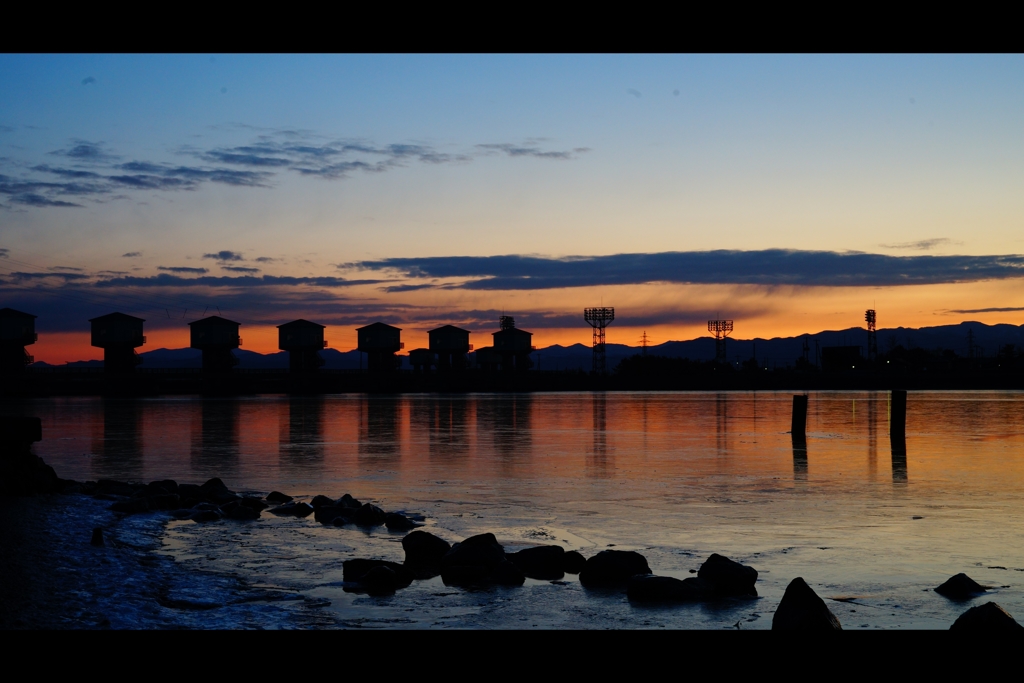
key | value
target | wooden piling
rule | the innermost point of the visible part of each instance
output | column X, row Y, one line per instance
column 799, row 424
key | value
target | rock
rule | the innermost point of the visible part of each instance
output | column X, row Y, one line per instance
column 464, row 575
column 396, row 521
column 294, row 509
column 187, row 491
column 214, row 484
column 573, row 562
column 114, row 488
column 97, row 537
column 182, row 513
column 215, row 491
column 206, row 506
column 253, row 503
column 423, row 553
column 347, row 501
column 482, row 550
column 162, row 487
column 802, row 610
column 327, row 514
column 987, row 617
column 613, row 568
column 278, row 498
column 728, row 577
column 380, row 581
column 164, row 501
column 205, row 516
column 241, row 513
column 542, row 562
column 960, row 587
column 68, row 486
column 504, row 574
column 355, row 571
column 321, row 501
column 131, row 506
column 369, row 515
column 660, row 589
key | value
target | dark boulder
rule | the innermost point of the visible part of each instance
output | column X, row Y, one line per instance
column 728, row 577
column 355, row 571
column 294, row 509
column 278, row 498
column 114, row 488
column 542, row 562
column 190, row 491
column 662, row 589
column 97, row 537
column 504, row 574
column 321, row 501
column 613, row 568
column 465, row 575
column 423, row 553
column 215, row 491
column 369, row 515
column 240, row 513
column 68, row 486
column 206, row 516
column 396, row 521
column 573, row 562
column 163, row 486
column 214, row 484
column 326, row 514
column 164, row 501
column 131, row 506
column 960, row 587
column 253, row 503
column 182, row 513
column 206, row 506
column 380, row 581
column 987, row 617
column 482, row 550
column 802, row 610
column 347, row 501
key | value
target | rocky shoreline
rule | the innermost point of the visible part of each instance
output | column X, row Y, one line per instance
column 82, row 555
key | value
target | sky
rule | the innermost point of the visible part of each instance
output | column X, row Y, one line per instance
column 789, row 193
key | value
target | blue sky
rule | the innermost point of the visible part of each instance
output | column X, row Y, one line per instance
column 316, row 164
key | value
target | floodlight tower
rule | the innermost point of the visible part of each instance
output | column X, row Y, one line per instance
column 599, row 318
column 721, row 330
column 869, row 318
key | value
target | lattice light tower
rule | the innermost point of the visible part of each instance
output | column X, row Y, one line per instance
column 599, row 318
column 870, row 318
column 721, row 330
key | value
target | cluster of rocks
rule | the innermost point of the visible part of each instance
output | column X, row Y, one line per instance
column 21, row 472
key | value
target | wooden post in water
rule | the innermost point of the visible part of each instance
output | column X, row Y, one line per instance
column 799, row 425
column 898, row 421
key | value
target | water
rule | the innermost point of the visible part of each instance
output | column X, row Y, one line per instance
column 676, row 476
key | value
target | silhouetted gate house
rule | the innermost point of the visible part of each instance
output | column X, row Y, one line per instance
column 302, row 340
column 513, row 346
column 17, row 330
column 421, row 360
column 118, row 334
column 451, row 344
column 215, row 337
column 380, row 343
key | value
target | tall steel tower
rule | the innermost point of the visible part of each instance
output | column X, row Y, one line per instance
column 599, row 318
column 869, row 318
column 721, row 330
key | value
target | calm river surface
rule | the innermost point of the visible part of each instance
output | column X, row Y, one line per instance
column 675, row 476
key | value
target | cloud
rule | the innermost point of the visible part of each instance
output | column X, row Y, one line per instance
column 406, row 288
column 5, row 253
column 634, row 92
column 921, row 245
column 771, row 267
column 183, row 269
column 265, row 259
column 38, row 200
column 225, row 255
column 42, row 276
column 523, row 151
column 131, row 254
column 241, row 269
column 72, row 269
column 989, row 310
column 85, row 151
column 87, row 80
column 164, row 280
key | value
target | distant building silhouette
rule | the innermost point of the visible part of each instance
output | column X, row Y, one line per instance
column 118, row 334
column 302, row 340
column 513, row 346
column 451, row 344
column 17, row 330
column 421, row 360
column 487, row 359
column 216, row 337
column 380, row 343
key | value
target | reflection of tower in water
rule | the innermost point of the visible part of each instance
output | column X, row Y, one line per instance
column 448, row 432
column 215, row 443
column 119, row 455
column 872, row 435
column 721, row 423
column 378, row 427
column 597, row 460
column 301, row 440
